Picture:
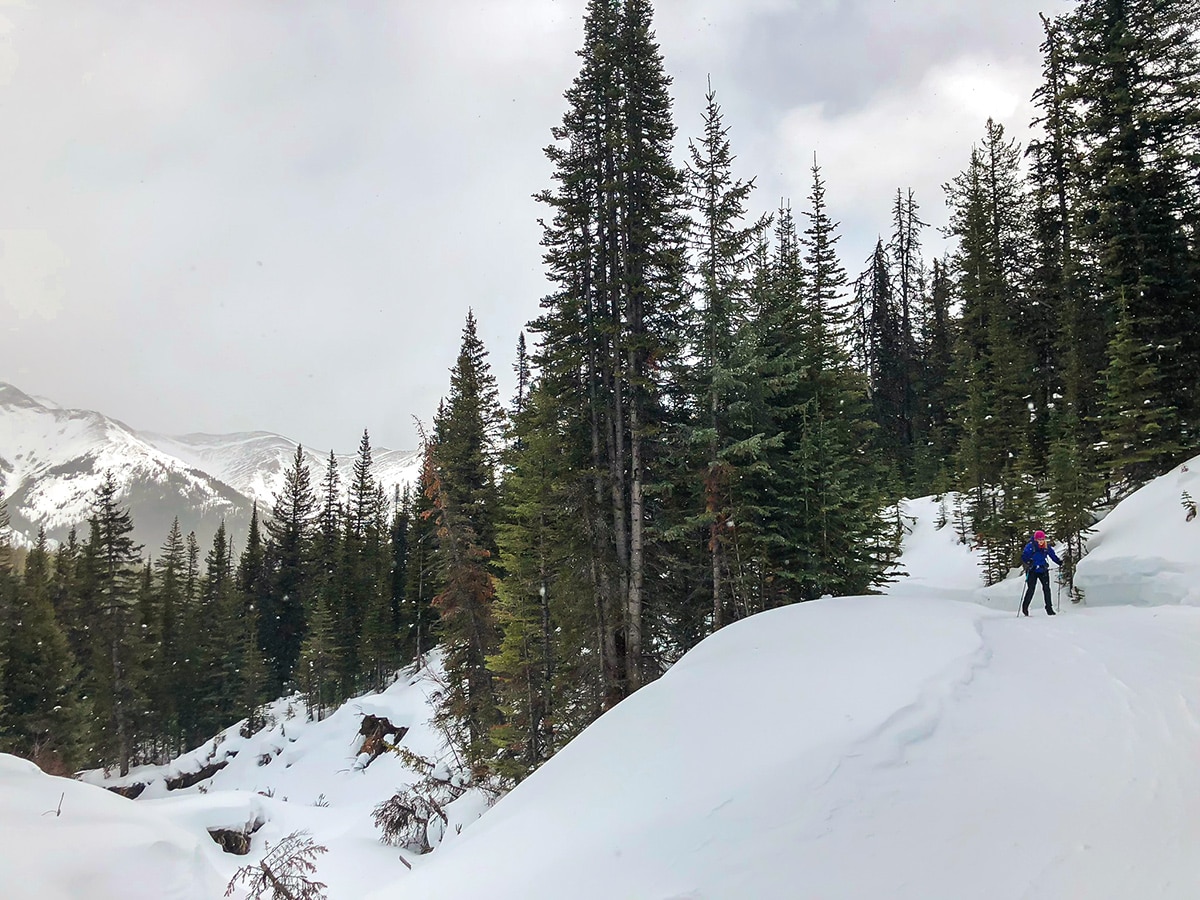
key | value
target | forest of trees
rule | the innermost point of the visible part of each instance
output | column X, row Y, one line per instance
column 712, row 418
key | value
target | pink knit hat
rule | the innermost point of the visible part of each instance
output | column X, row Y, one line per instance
column 1039, row 535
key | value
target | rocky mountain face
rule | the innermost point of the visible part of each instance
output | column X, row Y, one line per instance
column 53, row 459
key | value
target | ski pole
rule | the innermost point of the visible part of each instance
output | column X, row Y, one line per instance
column 1021, row 596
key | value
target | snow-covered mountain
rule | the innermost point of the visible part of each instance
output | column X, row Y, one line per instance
column 52, row 460
column 253, row 463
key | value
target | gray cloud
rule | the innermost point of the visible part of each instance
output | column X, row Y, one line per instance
column 237, row 215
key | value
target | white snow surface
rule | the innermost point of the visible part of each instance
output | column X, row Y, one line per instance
column 928, row 743
column 63, row 840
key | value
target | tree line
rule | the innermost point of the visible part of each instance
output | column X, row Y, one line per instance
column 713, row 419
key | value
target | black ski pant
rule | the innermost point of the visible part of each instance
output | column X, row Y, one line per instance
column 1031, row 579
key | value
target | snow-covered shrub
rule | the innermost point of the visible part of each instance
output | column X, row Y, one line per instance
column 283, row 872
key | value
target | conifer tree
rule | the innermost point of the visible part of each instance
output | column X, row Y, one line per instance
column 219, row 636
column 282, row 615
column 989, row 222
column 465, row 502
column 1135, row 83
column 336, row 638
column 252, row 674
column 904, row 251
column 43, row 715
column 611, row 329
column 401, row 604
column 65, row 595
column 421, row 579
column 149, row 734
column 548, row 680
column 253, row 585
column 319, row 672
column 112, row 563
column 364, row 586
column 848, row 549
column 764, row 535
column 723, row 243
column 1138, row 430
column 878, row 340
column 1072, row 324
column 939, row 393
column 167, row 683
column 188, row 701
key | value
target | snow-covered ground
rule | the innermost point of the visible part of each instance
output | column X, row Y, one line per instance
column 924, row 744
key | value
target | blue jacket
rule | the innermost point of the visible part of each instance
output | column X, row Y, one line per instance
column 1034, row 557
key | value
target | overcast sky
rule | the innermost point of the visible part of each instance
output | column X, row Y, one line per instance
column 237, row 215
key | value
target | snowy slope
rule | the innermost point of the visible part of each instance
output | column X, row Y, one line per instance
column 297, row 774
column 924, row 744
column 1146, row 551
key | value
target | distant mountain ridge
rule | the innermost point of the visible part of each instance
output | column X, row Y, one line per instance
column 52, row 460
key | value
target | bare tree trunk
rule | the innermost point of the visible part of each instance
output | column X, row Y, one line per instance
column 716, row 496
column 119, row 707
column 610, row 662
column 633, row 649
column 544, row 726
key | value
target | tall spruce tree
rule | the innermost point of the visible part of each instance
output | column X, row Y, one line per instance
column 939, row 391
column 989, row 223
column 533, row 645
column 466, row 508
column 168, row 683
column 723, row 243
column 1072, row 328
column 253, row 586
column 610, row 329
column 401, row 604
column 846, row 530
column 112, row 569
column 904, row 251
column 365, row 620
column 1135, row 67
column 220, row 637
column 877, row 341
column 282, row 615
column 43, row 715
column 336, row 638
column 421, row 579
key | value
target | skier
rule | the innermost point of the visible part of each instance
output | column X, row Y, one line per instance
column 1037, row 568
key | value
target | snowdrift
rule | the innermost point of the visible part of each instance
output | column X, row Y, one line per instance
column 871, row 747
column 1146, row 551
column 63, row 840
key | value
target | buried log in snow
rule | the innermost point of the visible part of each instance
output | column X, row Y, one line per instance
column 235, row 840
column 177, row 782
column 375, row 731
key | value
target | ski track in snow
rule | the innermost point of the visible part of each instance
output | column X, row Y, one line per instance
column 1021, row 756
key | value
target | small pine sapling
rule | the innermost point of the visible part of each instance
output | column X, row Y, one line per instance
column 1190, row 505
column 415, row 818
column 283, row 872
